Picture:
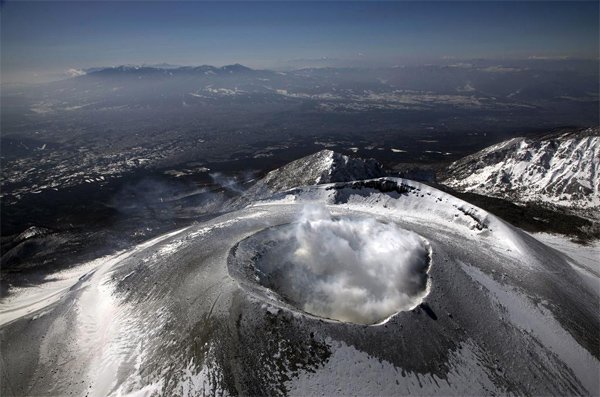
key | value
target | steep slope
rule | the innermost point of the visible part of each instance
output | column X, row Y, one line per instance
column 325, row 166
column 562, row 169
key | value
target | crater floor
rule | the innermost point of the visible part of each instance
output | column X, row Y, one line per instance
column 351, row 269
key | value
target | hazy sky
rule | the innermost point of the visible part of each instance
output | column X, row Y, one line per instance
column 42, row 40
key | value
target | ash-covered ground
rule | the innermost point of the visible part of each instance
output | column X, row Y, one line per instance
column 209, row 309
column 157, row 237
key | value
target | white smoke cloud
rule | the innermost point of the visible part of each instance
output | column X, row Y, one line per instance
column 233, row 183
column 356, row 270
column 75, row 72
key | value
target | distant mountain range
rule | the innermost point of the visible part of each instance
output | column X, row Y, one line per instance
column 519, row 91
column 164, row 67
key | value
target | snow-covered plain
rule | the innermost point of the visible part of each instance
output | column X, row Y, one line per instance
column 186, row 314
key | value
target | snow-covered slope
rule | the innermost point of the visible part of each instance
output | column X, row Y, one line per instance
column 562, row 169
column 325, row 166
column 381, row 286
column 196, row 312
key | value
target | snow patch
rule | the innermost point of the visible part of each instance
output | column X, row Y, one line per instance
column 540, row 323
column 351, row 372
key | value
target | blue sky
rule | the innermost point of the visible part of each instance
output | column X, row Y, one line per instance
column 41, row 40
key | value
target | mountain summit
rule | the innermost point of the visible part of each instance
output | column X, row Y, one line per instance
column 560, row 169
column 325, row 166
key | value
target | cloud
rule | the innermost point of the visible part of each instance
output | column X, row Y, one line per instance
column 548, row 57
column 501, row 69
column 235, row 183
column 75, row 72
column 466, row 88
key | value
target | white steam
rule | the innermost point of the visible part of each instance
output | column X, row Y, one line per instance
column 350, row 269
column 75, row 72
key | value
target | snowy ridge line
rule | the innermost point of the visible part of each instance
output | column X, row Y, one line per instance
column 403, row 198
column 560, row 170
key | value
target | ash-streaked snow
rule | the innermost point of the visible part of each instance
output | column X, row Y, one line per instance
column 583, row 258
column 184, row 314
column 561, row 170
